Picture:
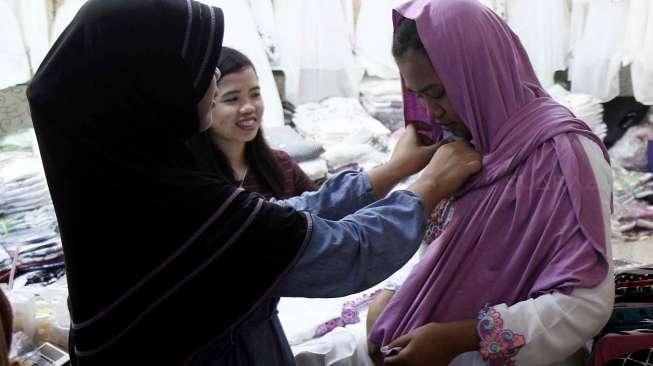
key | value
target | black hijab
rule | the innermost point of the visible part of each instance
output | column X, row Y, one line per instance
column 161, row 259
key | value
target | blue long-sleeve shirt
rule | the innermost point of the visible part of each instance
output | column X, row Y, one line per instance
column 355, row 243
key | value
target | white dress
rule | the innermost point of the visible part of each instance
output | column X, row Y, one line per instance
column 13, row 58
column 263, row 12
column 64, row 14
column 34, row 17
column 374, row 38
column 642, row 66
column 316, row 49
column 599, row 49
column 543, row 27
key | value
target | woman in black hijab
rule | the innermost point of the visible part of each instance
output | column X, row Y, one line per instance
column 163, row 261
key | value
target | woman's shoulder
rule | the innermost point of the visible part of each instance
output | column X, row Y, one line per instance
column 283, row 157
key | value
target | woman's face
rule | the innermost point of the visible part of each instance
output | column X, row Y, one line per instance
column 239, row 107
column 420, row 78
column 206, row 105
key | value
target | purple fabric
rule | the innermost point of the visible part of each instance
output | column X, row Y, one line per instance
column 530, row 222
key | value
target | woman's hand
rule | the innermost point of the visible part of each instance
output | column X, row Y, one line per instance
column 434, row 344
column 450, row 167
column 410, row 155
column 374, row 311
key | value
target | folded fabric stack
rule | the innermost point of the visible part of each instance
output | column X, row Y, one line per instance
column 28, row 224
column 286, row 139
column 633, row 195
column 586, row 107
column 382, row 98
column 349, row 135
column 305, row 152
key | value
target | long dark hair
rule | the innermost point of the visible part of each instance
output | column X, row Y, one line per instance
column 258, row 153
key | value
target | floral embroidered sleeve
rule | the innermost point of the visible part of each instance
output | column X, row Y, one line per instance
column 545, row 330
column 498, row 345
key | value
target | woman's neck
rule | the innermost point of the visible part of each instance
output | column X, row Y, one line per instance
column 235, row 153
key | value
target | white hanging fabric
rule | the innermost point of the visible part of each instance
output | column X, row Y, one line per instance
column 13, row 58
column 498, row 6
column 240, row 33
column 635, row 29
column 374, row 38
column 642, row 66
column 34, row 19
column 543, row 27
column 264, row 17
column 598, row 53
column 316, row 50
column 577, row 23
column 64, row 14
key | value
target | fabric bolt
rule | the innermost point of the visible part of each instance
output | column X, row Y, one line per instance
column 527, row 141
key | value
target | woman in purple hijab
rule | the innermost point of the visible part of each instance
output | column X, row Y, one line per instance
column 521, row 273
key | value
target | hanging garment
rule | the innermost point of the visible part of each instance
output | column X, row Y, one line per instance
column 543, row 27
column 598, row 53
column 642, row 67
column 498, row 6
column 63, row 16
column 13, row 58
column 374, row 38
column 263, row 12
column 34, row 19
column 635, row 29
column 316, row 50
column 243, row 36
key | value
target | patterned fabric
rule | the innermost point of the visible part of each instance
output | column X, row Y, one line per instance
column 498, row 345
column 639, row 358
column 349, row 315
column 438, row 220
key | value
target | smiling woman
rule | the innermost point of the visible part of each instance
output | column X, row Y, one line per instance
column 240, row 150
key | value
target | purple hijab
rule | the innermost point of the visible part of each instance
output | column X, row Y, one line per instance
column 530, row 222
